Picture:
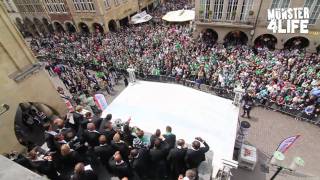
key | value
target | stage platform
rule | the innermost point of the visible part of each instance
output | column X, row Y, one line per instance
column 190, row 113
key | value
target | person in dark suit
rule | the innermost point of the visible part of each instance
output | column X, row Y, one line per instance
column 104, row 151
column 49, row 135
column 139, row 162
column 66, row 160
column 77, row 118
column 153, row 137
column 108, row 131
column 81, row 174
column 176, row 159
column 119, row 167
column 91, row 135
column 169, row 137
column 158, row 160
column 43, row 165
column 120, row 146
column 196, row 154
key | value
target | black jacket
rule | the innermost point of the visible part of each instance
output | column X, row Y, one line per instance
column 104, row 152
column 109, row 134
column 91, row 137
column 122, row 170
column 176, row 159
column 123, row 148
column 141, row 164
column 49, row 139
column 86, row 175
column 170, row 139
column 195, row 157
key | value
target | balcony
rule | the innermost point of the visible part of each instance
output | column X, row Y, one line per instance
column 249, row 23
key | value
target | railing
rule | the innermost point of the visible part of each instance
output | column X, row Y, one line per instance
column 228, row 93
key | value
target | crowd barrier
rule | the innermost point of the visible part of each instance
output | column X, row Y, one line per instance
column 298, row 114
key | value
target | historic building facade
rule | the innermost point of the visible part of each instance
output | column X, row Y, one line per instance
column 246, row 21
column 22, row 81
column 42, row 16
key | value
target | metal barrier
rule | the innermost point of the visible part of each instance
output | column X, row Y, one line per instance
column 228, row 93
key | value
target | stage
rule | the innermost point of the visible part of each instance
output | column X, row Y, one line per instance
column 190, row 113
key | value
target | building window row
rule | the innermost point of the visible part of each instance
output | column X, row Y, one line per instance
column 314, row 8
column 84, row 5
column 107, row 4
column 56, row 6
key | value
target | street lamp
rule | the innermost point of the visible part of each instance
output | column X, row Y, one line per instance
column 278, row 157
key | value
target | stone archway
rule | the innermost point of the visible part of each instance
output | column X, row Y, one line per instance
column 318, row 49
column 70, row 27
column 97, row 28
column 31, row 27
column 84, row 28
column 266, row 40
column 112, row 25
column 234, row 38
column 297, row 42
column 210, row 37
column 48, row 25
column 58, row 27
column 39, row 25
column 29, row 121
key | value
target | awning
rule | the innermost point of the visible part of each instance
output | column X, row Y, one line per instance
column 179, row 16
column 140, row 18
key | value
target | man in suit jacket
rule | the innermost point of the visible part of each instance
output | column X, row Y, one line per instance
column 81, row 174
column 119, row 167
column 108, row 131
column 120, row 146
column 158, row 160
column 176, row 159
column 196, row 154
column 49, row 135
column 91, row 135
column 104, row 151
column 140, row 162
column 169, row 137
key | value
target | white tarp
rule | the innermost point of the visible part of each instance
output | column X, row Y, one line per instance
column 190, row 112
column 179, row 16
column 141, row 18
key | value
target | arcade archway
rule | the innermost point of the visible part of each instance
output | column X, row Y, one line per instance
column 124, row 22
column 31, row 27
column 112, row 25
column 48, row 25
column 84, row 28
column 266, row 40
column 234, row 38
column 58, row 27
column 297, row 42
column 98, row 28
column 70, row 27
column 39, row 25
column 210, row 37
column 318, row 49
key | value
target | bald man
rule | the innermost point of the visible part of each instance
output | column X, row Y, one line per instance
column 119, row 167
column 176, row 159
column 104, row 151
column 91, row 135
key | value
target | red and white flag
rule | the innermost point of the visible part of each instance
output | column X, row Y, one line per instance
column 287, row 143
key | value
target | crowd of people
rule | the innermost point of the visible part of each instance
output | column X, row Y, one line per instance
column 287, row 77
column 75, row 149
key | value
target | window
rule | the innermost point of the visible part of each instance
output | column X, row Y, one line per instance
column 204, row 8
column 76, row 5
column 107, row 4
column 217, row 9
column 314, row 10
column 90, row 5
column 116, row 2
column 246, row 8
column 280, row 4
column 55, row 6
column 232, row 9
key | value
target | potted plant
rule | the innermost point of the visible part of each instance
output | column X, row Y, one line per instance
column 251, row 13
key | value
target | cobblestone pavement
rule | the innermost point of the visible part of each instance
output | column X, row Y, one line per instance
column 267, row 129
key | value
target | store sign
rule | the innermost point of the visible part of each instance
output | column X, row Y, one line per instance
column 288, row 20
